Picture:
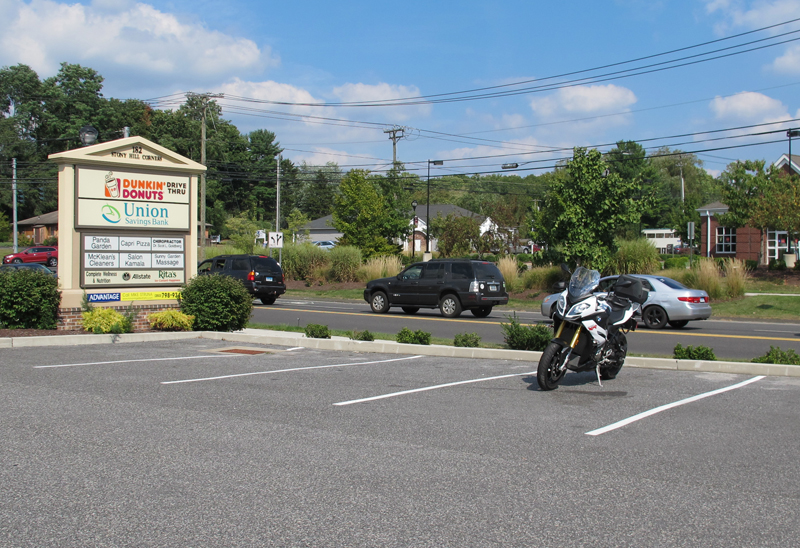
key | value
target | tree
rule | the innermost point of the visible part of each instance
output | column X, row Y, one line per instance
column 317, row 186
column 365, row 218
column 761, row 198
column 456, row 235
column 583, row 209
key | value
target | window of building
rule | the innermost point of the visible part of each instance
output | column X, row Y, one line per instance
column 726, row 240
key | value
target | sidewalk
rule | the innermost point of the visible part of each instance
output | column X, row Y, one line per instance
column 299, row 340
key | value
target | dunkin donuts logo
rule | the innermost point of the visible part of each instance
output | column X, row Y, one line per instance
column 133, row 189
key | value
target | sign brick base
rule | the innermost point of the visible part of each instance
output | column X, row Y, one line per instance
column 71, row 319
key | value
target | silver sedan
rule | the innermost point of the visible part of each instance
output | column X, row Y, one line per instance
column 668, row 302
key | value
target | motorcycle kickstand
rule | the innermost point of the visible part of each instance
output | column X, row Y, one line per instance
column 597, row 370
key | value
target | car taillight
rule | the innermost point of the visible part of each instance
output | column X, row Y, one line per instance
column 473, row 287
column 693, row 299
column 252, row 276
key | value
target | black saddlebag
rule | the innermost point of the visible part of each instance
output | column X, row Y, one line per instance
column 630, row 288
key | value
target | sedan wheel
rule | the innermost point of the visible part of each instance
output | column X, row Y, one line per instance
column 450, row 306
column 655, row 317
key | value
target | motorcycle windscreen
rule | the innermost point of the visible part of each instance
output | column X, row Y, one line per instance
column 582, row 283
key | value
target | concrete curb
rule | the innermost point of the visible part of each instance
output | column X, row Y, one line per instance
column 282, row 338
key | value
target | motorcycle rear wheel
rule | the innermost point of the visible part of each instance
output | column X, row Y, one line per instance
column 611, row 370
column 548, row 375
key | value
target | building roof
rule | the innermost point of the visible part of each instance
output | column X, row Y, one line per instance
column 784, row 163
column 713, row 208
column 44, row 219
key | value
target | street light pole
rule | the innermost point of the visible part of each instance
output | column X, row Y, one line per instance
column 428, row 206
column 414, row 231
column 792, row 133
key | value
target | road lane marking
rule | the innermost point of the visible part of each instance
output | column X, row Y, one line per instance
column 221, row 377
column 655, row 410
column 133, row 361
column 434, row 387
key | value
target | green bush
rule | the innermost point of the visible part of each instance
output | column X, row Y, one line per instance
column 106, row 320
column 362, row 335
column 469, row 340
column 317, row 331
column 676, row 262
column 637, row 256
column 29, row 300
column 300, row 261
column 170, row 320
column 345, row 262
column 699, row 352
column 776, row 355
column 525, row 337
column 542, row 277
column 416, row 337
column 777, row 264
column 751, row 264
column 218, row 303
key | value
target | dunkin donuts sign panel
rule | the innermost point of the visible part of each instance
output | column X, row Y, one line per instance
column 104, row 184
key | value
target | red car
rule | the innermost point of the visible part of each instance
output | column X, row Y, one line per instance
column 37, row 254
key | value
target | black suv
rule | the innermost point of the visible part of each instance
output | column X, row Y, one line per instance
column 261, row 275
column 452, row 285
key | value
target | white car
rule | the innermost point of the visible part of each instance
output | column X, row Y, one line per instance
column 668, row 302
column 325, row 244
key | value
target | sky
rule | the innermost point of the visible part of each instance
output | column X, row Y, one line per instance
column 476, row 84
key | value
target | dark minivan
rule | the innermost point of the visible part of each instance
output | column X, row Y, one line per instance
column 452, row 285
column 261, row 275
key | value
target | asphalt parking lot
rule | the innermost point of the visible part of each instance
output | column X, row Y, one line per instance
column 179, row 443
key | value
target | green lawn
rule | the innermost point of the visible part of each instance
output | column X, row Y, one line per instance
column 762, row 307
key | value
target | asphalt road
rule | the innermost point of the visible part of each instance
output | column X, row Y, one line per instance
column 178, row 444
column 729, row 339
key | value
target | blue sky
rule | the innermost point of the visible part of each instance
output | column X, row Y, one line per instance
column 326, row 53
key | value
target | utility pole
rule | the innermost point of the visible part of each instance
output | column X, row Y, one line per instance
column 204, row 97
column 14, row 199
column 278, row 207
column 394, row 138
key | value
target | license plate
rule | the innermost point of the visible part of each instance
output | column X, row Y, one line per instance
column 269, row 278
column 492, row 288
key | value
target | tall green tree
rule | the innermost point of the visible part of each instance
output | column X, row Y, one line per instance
column 364, row 216
column 584, row 208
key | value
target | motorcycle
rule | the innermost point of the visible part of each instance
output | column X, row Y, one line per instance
column 590, row 328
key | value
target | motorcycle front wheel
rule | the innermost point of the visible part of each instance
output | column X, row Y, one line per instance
column 611, row 370
column 548, row 375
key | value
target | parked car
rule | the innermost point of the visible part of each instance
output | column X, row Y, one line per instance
column 668, row 302
column 44, row 254
column 452, row 285
column 36, row 267
column 325, row 244
column 261, row 275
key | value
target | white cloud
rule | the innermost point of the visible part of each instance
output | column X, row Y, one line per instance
column 383, row 92
column 748, row 106
column 123, row 35
column 584, row 100
column 761, row 13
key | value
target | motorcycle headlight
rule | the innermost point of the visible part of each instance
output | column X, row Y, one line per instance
column 578, row 308
column 561, row 305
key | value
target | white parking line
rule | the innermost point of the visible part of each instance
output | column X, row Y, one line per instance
column 655, row 410
column 434, row 387
column 133, row 361
column 289, row 370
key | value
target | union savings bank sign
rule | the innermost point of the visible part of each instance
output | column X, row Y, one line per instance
column 119, row 199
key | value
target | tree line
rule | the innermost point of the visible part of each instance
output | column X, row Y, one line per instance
column 580, row 208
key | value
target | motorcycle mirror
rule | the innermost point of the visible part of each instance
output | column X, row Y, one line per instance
column 565, row 268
